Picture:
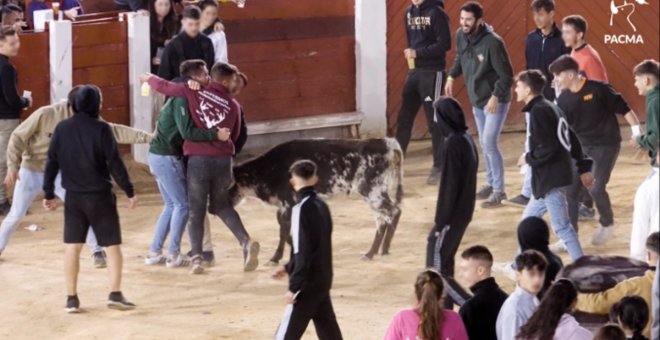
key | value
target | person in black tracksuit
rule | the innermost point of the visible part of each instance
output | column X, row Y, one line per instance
column 310, row 266
column 429, row 39
column 456, row 197
column 84, row 150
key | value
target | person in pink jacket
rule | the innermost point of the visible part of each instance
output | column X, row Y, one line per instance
column 552, row 320
column 428, row 320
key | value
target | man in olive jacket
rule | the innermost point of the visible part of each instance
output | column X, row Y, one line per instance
column 483, row 59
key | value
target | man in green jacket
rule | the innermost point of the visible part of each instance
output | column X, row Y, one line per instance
column 167, row 165
column 484, row 61
column 647, row 82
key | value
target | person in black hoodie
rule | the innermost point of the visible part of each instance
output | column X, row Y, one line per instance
column 11, row 103
column 84, row 150
column 310, row 266
column 543, row 46
column 551, row 145
column 429, row 39
column 533, row 233
column 479, row 313
column 456, row 196
column 189, row 44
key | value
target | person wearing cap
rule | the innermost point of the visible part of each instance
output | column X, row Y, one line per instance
column 85, row 153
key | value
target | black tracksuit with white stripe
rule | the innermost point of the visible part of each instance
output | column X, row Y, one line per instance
column 310, row 270
column 427, row 31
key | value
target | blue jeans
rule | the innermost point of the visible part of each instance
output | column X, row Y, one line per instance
column 171, row 178
column 489, row 126
column 555, row 204
column 26, row 190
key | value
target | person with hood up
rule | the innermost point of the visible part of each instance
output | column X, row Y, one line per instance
column 84, row 150
column 429, row 39
column 483, row 60
column 456, row 195
column 533, row 234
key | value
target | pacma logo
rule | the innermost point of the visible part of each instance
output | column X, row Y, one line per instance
column 626, row 10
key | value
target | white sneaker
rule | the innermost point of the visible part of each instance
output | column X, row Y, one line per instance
column 602, row 235
column 153, row 259
column 177, row 260
column 505, row 269
column 197, row 267
column 558, row 247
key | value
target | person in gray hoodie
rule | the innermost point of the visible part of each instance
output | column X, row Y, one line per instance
column 483, row 60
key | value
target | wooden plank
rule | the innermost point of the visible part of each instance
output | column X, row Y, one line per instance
column 33, row 69
column 115, row 96
column 97, row 6
column 268, row 109
column 285, row 9
column 242, row 31
column 339, row 86
column 100, row 34
column 109, row 75
column 287, row 50
column 98, row 55
column 311, row 122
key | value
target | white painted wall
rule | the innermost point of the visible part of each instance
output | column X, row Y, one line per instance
column 371, row 65
column 61, row 59
column 139, row 63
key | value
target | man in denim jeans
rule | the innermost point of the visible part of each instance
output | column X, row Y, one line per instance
column 550, row 148
column 167, row 165
column 484, row 61
column 210, row 163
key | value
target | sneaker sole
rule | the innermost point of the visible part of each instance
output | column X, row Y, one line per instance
column 252, row 257
column 119, row 306
column 99, row 265
column 491, row 205
column 196, row 270
column 73, row 310
column 513, row 204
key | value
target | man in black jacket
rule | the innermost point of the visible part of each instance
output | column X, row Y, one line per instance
column 542, row 47
column 85, row 151
column 591, row 109
column 310, row 267
column 456, row 197
column 429, row 39
column 551, row 144
column 11, row 103
column 479, row 313
column 189, row 44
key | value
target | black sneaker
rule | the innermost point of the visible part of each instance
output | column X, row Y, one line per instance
column 484, row 192
column 117, row 301
column 495, row 200
column 518, row 201
column 5, row 208
column 434, row 177
column 72, row 304
column 99, row 259
column 585, row 213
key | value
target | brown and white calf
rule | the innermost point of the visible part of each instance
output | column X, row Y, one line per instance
column 372, row 168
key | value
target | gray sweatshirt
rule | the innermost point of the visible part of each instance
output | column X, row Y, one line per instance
column 515, row 312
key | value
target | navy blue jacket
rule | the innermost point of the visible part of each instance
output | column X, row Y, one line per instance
column 541, row 50
column 427, row 30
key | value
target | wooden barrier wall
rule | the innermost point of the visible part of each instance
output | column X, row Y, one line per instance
column 513, row 22
column 100, row 56
column 300, row 59
column 32, row 65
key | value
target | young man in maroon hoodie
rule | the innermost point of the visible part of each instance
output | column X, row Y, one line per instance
column 209, row 173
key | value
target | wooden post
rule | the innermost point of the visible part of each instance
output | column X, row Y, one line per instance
column 61, row 59
column 139, row 63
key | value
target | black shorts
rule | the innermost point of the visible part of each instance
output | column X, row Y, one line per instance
column 96, row 210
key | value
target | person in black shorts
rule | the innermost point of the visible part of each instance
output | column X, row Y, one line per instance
column 84, row 150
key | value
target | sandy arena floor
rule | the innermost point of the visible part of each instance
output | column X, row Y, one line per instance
column 226, row 303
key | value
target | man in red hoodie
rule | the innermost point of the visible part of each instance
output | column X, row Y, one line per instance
column 209, row 173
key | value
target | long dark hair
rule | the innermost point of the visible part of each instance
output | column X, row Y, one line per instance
column 170, row 26
column 428, row 289
column 631, row 312
column 557, row 301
